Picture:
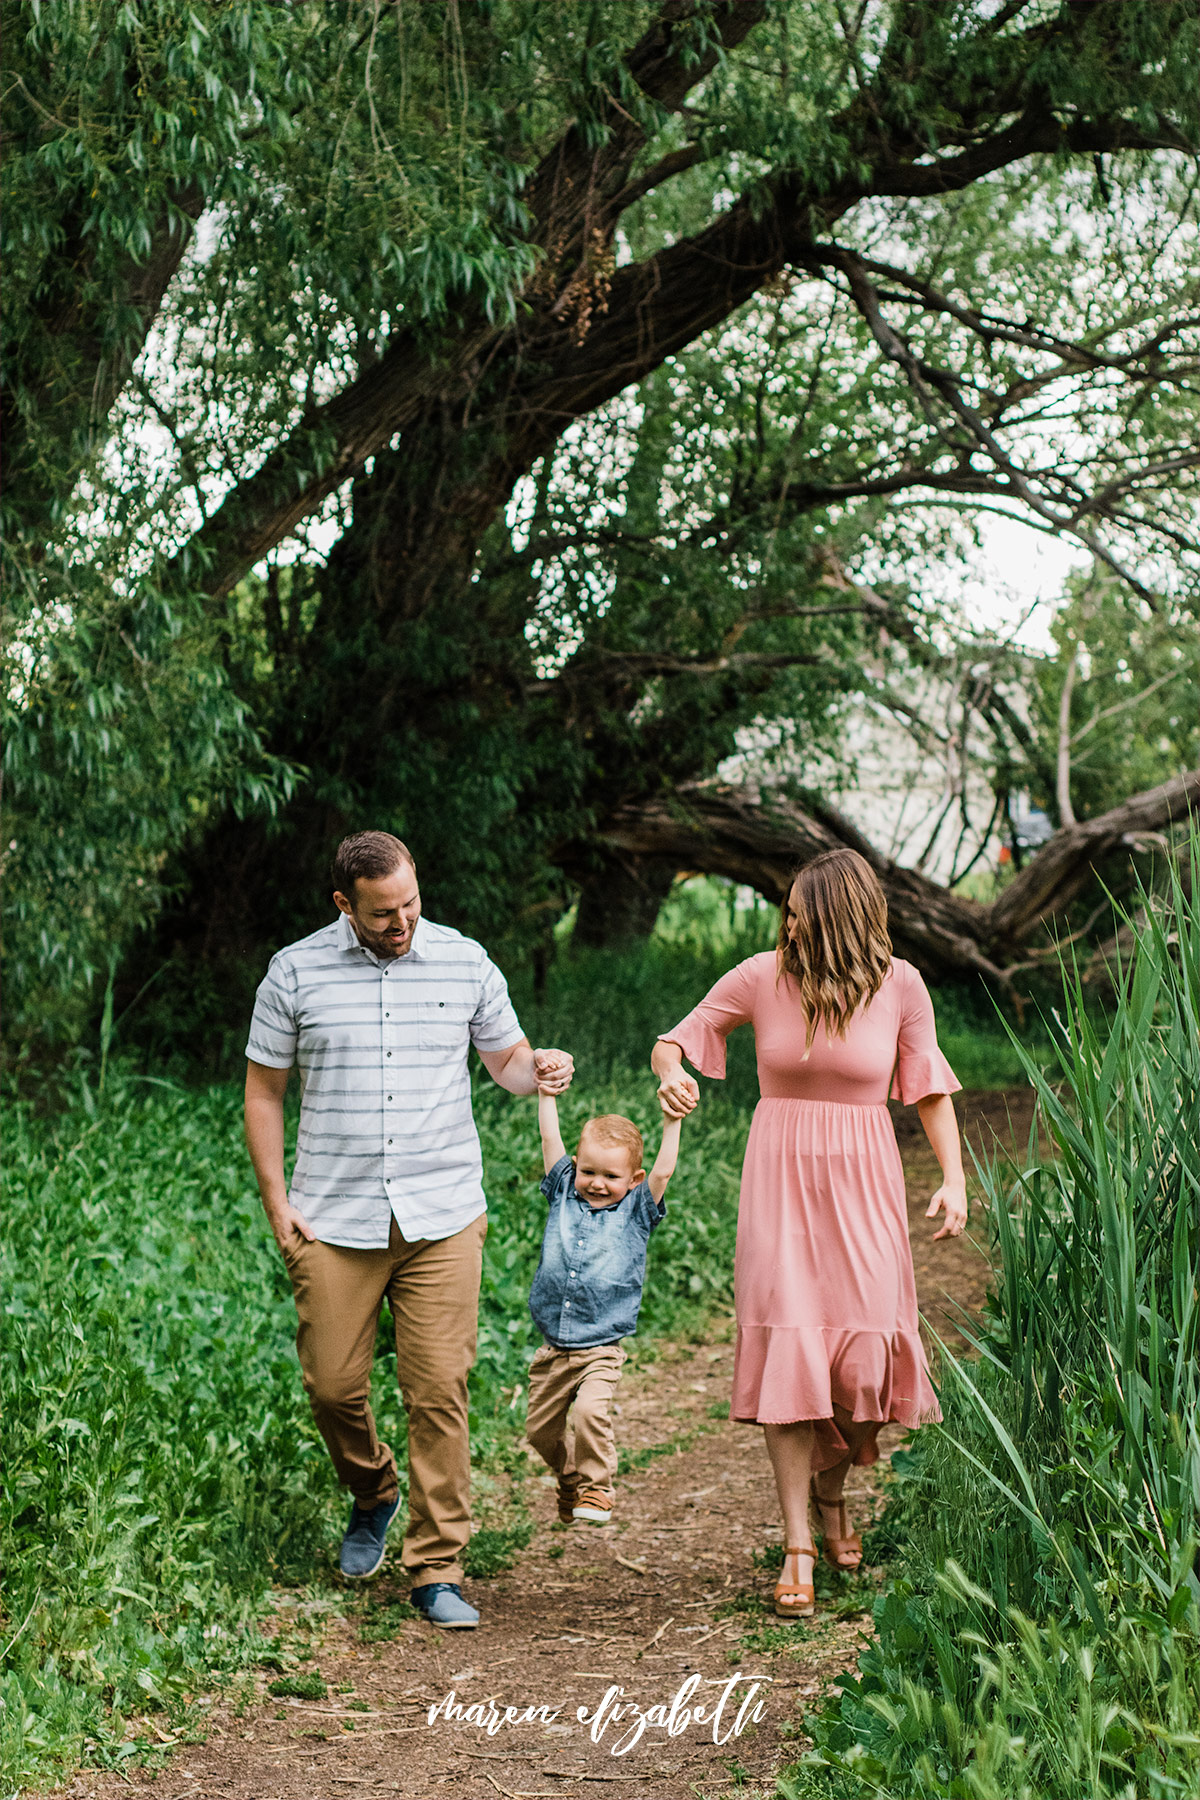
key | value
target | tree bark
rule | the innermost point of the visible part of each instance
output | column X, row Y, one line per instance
column 620, row 898
column 762, row 837
column 1063, row 866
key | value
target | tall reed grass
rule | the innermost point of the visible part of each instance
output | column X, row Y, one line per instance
column 1041, row 1640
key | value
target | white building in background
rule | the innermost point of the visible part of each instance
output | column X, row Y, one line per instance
column 907, row 777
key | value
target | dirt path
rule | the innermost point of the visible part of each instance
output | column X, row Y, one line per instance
column 674, row 1588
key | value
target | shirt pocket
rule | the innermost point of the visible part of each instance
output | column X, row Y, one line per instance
column 444, row 1025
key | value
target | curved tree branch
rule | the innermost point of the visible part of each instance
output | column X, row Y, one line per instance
column 760, row 836
column 650, row 309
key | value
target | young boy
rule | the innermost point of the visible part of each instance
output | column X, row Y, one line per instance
column 586, row 1294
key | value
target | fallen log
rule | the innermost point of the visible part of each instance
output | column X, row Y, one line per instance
column 760, row 835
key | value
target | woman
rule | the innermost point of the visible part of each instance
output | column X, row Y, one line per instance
column 827, row 1344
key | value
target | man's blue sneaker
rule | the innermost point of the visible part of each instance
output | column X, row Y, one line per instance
column 366, row 1538
column 441, row 1602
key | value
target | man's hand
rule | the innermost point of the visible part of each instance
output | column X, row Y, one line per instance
column 523, row 1070
column 287, row 1221
column 678, row 1093
column 553, row 1070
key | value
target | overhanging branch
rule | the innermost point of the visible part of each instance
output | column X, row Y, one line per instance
column 652, row 309
column 759, row 836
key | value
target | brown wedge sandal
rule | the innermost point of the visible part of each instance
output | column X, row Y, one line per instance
column 846, row 1542
column 795, row 1599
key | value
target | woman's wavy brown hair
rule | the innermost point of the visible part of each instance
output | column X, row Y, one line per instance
column 842, row 952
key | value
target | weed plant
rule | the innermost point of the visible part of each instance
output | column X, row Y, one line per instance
column 299, row 1687
column 495, row 1548
column 1042, row 1638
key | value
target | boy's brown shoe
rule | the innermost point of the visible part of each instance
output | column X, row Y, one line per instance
column 593, row 1505
column 567, row 1494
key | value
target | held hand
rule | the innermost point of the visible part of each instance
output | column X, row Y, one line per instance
column 678, row 1093
column 553, row 1070
column 284, row 1223
column 954, row 1201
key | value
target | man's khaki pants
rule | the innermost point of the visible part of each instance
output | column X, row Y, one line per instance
column 588, row 1378
column 432, row 1288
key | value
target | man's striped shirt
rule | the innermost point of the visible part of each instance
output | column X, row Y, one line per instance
column 385, row 1112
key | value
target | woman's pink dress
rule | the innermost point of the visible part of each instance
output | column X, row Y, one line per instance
column 823, row 1279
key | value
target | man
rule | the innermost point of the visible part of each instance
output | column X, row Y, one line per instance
column 379, row 1010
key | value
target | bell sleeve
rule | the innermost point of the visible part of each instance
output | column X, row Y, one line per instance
column 701, row 1036
column 921, row 1069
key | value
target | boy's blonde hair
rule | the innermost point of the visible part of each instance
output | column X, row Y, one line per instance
column 612, row 1128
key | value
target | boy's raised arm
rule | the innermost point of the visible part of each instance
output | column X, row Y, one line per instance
column 668, row 1154
column 553, row 1148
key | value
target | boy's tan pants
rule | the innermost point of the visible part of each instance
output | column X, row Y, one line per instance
column 432, row 1288
column 588, row 1459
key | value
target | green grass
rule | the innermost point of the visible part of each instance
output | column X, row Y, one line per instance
column 162, row 1471
column 495, row 1548
column 382, row 1616
column 300, row 1687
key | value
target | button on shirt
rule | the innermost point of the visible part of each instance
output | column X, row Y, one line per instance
column 385, row 1113
column 588, row 1285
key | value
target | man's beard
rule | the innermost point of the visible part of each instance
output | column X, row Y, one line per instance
column 380, row 944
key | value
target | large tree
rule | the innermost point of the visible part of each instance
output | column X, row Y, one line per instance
column 304, row 293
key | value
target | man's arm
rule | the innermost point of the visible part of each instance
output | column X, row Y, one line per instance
column 553, row 1148
column 265, row 1088
column 520, row 1069
column 668, row 1154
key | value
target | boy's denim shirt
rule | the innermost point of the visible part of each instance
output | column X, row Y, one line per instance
column 588, row 1285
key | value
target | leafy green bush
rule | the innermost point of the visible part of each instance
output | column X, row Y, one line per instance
column 1042, row 1641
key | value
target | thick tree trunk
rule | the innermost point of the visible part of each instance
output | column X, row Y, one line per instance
column 761, row 837
column 620, row 899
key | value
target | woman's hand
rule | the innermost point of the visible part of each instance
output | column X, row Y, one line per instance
column 940, row 1124
column 678, row 1093
column 952, row 1198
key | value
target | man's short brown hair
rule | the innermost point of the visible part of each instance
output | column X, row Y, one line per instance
column 614, row 1128
column 368, row 855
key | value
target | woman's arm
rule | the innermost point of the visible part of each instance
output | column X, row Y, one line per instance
column 678, row 1091
column 940, row 1125
column 701, row 1038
